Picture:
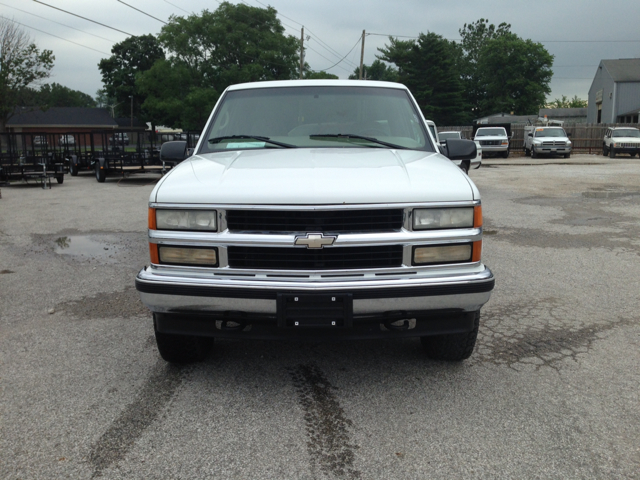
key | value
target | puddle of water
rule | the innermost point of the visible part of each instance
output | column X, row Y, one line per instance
column 83, row 246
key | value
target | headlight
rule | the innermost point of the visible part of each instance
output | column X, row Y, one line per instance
column 434, row 218
column 186, row 220
column 188, row 256
column 537, row 143
column 442, row 254
column 568, row 142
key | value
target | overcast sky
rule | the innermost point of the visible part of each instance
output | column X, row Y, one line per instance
column 578, row 33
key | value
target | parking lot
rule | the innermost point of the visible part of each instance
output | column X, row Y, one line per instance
column 552, row 390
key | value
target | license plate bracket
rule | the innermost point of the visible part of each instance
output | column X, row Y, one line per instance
column 315, row 310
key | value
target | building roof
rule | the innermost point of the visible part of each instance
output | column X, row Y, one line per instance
column 62, row 117
column 563, row 112
column 623, row 70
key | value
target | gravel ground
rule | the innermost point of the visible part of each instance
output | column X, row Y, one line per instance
column 552, row 390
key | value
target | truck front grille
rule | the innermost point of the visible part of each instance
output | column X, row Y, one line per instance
column 554, row 144
column 321, row 221
column 336, row 258
column 490, row 142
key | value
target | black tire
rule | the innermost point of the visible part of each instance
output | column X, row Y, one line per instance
column 73, row 169
column 533, row 153
column 452, row 347
column 567, row 155
column 101, row 173
column 505, row 154
column 464, row 166
column 612, row 152
column 60, row 178
column 527, row 152
column 183, row 348
column 605, row 152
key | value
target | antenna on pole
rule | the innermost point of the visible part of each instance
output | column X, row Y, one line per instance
column 362, row 55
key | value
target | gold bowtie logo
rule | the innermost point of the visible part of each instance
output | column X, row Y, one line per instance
column 315, row 240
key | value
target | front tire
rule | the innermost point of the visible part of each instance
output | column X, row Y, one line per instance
column 464, row 166
column 567, row 155
column 527, row 152
column 612, row 152
column 73, row 169
column 60, row 178
column 454, row 346
column 101, row 173
column 605, row 152
column 505, row 154
column 533, row 153
column 183, row 348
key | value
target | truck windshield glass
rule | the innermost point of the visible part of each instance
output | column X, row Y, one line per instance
column 627, row 132
column 486, row 132
column 449, row 135
column 310, row 116
column 550, row 132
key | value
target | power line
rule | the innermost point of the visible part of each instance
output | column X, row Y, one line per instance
column 84, row 18
column 47, row 33
column 68, row 26
column 144, row 13
column 179, row 8
column 356, row 44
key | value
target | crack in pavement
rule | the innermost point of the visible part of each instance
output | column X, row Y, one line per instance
column 328, row 444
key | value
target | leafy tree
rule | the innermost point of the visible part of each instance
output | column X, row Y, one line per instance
column 513, row 75
column 56, row 95
column 130, row 58
column 21, row 65
column 428, row 68
column 378, row 70
column 565, row 102
column 210, row 51
column 474, row 38
column 309, row 75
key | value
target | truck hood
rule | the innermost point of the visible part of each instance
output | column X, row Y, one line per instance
column 625, row 140
column 550, row 139
column 303, row 176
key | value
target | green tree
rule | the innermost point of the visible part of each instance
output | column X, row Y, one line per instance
column 428, row 68
column 474, row 38
column 378, row 70
column 514, row 75
column 210, row 51
column 21, row 66
column 56, row 95
column 322, row 75
column 130, row 58
column 565, row 102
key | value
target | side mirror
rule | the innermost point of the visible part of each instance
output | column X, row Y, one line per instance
column 568, row 134
column 173, row 151
column 530, row 135
column 459, row 149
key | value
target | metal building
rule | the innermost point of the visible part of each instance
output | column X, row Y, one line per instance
column 614, row 96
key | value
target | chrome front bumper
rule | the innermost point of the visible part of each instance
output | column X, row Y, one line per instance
column 463, row 292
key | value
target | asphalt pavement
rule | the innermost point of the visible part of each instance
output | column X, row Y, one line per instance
column 552, row 390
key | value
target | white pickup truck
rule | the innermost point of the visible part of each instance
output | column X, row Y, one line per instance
column 621, row 140
column 493, row 140
column 315, row 209
column 546, row 141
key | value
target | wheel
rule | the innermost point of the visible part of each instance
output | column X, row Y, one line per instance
column 567, row 155
column 183, row 348
column 464, row 166
column 505, row 154
column 73, row 169
column 533, row 153
column 605, row 152
column 60, row 178
column 101, row 173
column 612, row 152
column 527, row 152
column 453, row 346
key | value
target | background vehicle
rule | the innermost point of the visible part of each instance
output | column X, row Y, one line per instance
column 546, row 141
column 119, row 138
column 494, row 140
column 621, row 140
column 67, row 141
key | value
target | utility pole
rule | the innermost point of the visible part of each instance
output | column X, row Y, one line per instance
column 301, row 51
column 131, row 96
column 362, row 55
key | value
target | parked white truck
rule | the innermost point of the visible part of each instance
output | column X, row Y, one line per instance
column 316, row 209
column 545, row 140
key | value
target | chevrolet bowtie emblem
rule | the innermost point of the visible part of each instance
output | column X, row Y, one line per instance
column 315, row 240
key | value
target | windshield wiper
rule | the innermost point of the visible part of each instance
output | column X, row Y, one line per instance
column 254, row 137
column 357, row 137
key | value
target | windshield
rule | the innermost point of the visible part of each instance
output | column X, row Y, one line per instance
column 627, row 132
column 485, row 132
column 550, row 132
column 448, row 135
column 315, row 116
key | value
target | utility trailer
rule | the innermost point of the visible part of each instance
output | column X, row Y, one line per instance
column 31, row 156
